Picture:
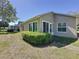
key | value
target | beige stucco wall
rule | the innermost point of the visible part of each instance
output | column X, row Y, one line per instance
column 47, row 18
column 71, row 26
column 26, row 25
column 77, row 20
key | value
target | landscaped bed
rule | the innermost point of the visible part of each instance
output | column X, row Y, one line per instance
column 37, row 38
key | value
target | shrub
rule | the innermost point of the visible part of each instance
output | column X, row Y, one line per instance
column 36, row 38
column 10, row 30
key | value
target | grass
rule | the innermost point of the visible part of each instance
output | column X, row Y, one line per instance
column 4, row 45
column 5, row 32
column 13, row 47
column 76, row 43
column 64, row 54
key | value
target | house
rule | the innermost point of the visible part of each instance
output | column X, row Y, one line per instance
column 14, row 28
column 53, row 23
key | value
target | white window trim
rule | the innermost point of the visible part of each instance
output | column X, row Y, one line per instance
column 60, row 31
column 49, row 26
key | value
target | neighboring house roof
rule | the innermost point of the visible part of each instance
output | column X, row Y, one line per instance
column 36, row 17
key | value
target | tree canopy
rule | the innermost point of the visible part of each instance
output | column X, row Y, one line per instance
column 7, row 11
column 3, row 24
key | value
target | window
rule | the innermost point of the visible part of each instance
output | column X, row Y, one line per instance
column 61, row 27
column 50, row 28
column 35, row 26
column 44, row 26
column 47, row 27
column 30, row 27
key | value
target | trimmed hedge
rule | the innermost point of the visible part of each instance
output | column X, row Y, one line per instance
column 37, row 38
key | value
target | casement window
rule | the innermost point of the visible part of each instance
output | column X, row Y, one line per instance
column 61, row 27
column 47, row 27
column 33, row 26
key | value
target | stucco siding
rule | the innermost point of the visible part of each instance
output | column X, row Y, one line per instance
column 26, row 25
column 70, row 25
column 77, row 21
column 47, row 18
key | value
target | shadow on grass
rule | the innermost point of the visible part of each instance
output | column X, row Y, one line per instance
column 57, row 42
column 62, row 41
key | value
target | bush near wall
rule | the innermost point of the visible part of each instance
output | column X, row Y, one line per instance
column 37, row 38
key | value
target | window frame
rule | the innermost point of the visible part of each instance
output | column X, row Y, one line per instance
column 50, row 29
column 35, row 28
column 32, row 26
column 62, row 27
column 48, row 26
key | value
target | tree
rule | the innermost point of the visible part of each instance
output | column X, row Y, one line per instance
column 7, row 11
column 3, row 24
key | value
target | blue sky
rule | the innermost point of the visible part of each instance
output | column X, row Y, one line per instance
column 29, row 8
